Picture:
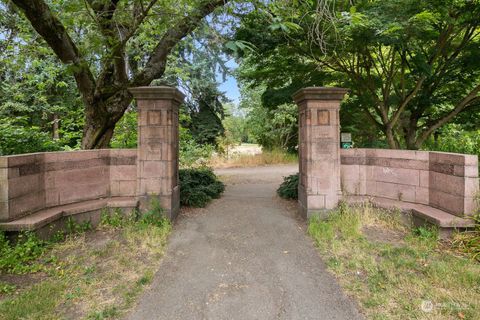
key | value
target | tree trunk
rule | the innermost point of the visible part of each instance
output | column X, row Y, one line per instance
column 101, row 118
column 97, row 134
column 392, row 142
column 411, row 135
column 55, row 127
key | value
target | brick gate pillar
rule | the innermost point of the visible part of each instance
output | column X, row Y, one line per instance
column 157, row 155
column 319, row 187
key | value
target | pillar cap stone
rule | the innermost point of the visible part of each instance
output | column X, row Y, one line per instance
column 157, row 93
column 319, row 93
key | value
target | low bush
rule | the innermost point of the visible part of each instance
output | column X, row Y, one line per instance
column 289, row 187
column 199, row 186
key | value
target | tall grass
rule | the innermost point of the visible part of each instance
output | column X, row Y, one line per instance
column 469, row 241
column 254, row 160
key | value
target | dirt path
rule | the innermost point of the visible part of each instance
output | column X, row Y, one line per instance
column 246, row 256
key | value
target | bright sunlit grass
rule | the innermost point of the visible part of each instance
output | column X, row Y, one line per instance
column 253, row 160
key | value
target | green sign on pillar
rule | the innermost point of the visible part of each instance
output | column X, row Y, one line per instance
column 346, row 140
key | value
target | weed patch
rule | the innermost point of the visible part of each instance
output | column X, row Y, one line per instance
column 91, row 274
column 469, row 241
column 411, row 275
column 21, row 257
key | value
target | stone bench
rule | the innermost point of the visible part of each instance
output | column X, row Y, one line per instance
column 421, row 214
column 90, row 210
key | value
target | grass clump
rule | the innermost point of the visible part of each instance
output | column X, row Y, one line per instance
column 469, row 241
column 198, row 186
column 289, row 187
column 394, row 271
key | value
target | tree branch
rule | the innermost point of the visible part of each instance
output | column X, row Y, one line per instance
column 468, row 99
column 157, row 63
column 54, row 33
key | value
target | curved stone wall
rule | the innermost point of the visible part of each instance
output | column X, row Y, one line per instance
column 446, row 181
column 37, row 181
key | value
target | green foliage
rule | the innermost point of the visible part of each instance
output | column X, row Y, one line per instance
column 426, row 234
column 452, row 138
column 155, row 216
column 125, row 135
column 17, row 138
column 236, row 127
column 206, row 126
column 191, row 153
column 275, row 128
column 73, row 227
column 199, row 186
column 411, row 65
column 115, row 220
column 6, row 288
column 289, row 187
column 20, row 257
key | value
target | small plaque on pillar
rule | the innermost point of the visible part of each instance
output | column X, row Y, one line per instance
column 323, row 117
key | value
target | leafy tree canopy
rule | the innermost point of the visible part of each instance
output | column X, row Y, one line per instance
column 412, row 66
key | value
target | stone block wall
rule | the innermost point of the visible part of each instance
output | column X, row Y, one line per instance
column 32, row 182
column 123, row 173
column 22, row 185
column 446, row 181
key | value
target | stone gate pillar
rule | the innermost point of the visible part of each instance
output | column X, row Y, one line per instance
column 319, row 187
column 157, row 155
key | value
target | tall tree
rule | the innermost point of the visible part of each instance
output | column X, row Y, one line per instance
column 412, row 66
column 96, row 41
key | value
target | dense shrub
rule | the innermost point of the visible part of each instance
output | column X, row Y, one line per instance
column 289, row 187
column 199, row 186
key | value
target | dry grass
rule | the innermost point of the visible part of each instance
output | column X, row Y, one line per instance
column 395, row 272
column 253, row 160
column 95, row 275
